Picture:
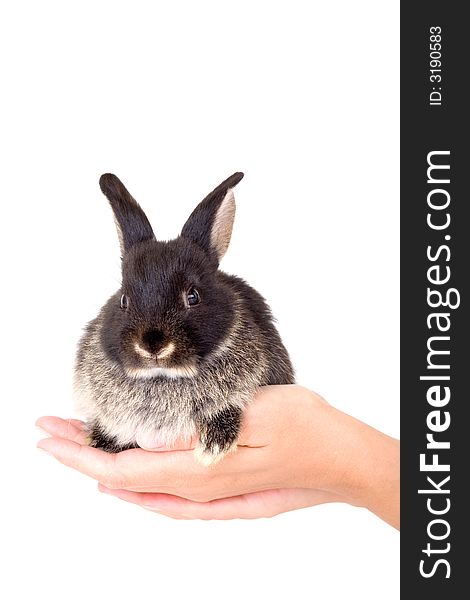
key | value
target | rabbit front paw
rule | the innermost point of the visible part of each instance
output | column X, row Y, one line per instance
column 97, row 438
column 218, row 436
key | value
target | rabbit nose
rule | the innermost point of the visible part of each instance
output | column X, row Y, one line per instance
column 153, row 340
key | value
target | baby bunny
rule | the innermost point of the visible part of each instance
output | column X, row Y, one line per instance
column 180, row 349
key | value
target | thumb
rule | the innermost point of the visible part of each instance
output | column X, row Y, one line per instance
column 158, row 442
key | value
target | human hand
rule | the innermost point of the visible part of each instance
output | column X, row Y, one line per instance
column 294, row 451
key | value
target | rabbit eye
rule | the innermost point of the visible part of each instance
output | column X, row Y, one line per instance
column 124, row 302
column 192, row 297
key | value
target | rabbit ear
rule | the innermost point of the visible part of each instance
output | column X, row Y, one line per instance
column 210, row 224
column 132, row 224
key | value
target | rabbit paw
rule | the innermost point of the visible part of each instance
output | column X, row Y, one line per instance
column 218, row 436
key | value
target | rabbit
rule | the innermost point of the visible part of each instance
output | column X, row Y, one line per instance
column 180, row 349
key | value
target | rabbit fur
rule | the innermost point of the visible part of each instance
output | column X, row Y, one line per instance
column 180, row 349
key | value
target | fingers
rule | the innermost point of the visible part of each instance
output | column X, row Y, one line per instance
column 267, row 503
column 181, row 508
column 162, row 472
column 69, row 429
column 90, row 461
column 134, row 469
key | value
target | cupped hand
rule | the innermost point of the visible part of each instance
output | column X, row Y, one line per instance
column 294, row 451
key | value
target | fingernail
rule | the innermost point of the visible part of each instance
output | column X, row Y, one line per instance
column 41, row 447
column 45, row 451
column 151, row 447
column 150, row 441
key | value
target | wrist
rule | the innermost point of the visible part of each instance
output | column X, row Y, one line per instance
column 378, row 478
column 364, row 466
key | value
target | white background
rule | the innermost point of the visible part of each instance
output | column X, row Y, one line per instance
column 173, row 98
